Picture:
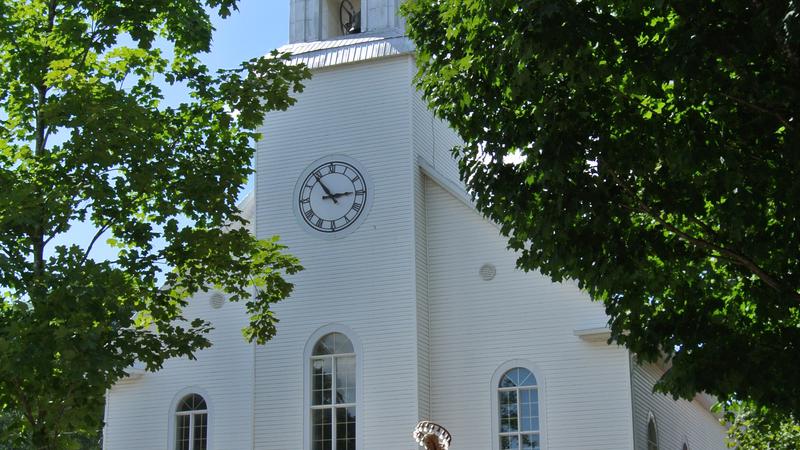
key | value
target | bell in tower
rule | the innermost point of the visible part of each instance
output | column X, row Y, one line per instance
column 344, row 15
column 316, row 20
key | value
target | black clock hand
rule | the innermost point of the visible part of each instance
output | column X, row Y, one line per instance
column 325, row 188
column 337, row 195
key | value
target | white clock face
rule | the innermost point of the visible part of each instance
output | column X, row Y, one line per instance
column 333, row 195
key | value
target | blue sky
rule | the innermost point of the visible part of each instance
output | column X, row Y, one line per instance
column 258, row 27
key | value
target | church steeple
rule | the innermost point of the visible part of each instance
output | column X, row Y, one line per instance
column 315, row 20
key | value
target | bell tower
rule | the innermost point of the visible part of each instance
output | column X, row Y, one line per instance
column 317, row 20
column 339, row 177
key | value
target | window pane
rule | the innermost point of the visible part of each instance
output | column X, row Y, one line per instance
column 346, row 428
column 333, row 343
column 652, row 436
column 530, row 442
column 341, row 344
column 529, row 414
column 192, row 402
column 518, row 377
column 346, row 380
column 321, row 381
column 509, row 443
column 508, row 411
column 525, row 377
column 321, row 429
column 182, row 433
column 324, row 345
column 200, row 431
column 509, row 379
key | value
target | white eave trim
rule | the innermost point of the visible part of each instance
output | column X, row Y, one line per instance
column 593, row 334
column 451, row 187
column 459, row 192
column 136, row 371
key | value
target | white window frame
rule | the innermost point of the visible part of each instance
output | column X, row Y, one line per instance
column 173, row 414
column 495, row 399
column 308, row 356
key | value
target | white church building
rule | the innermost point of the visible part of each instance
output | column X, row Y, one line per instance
column 410, row 307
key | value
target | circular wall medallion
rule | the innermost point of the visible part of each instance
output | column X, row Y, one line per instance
column 333, row 196
column 487, row 272
column 217, row 300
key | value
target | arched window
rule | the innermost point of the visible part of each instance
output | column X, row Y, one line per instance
column 518, row 410
column 191, row 423
column 652, row 433
column 333, row 394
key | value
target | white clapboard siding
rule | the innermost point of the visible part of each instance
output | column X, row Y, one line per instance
column 365, row 281
column 477, row 325
column 678, row 422
column 139, row 410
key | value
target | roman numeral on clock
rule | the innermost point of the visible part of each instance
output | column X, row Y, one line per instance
column 309, row 214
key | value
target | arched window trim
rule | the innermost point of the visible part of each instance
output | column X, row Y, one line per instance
column 173, row 408
column 651, row 418
column 307, row 354
column 542, row 391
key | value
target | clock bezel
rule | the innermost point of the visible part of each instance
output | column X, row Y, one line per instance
column 367, row 205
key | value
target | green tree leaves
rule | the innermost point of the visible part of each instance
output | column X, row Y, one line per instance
column 84, row 136
column 660, row 167
column 757, row 428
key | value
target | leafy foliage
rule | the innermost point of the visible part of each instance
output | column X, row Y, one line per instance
column 658, row 165
column 84, row 137
column 757, row 428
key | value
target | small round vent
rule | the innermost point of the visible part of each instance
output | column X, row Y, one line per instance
column 487, row 272
column 217, row 300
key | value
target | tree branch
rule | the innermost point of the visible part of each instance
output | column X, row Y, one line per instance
column 26, row 406
column 724, row 252
column 759, row 109
column 97, row 235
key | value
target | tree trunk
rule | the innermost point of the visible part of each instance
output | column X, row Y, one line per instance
column 42, row 439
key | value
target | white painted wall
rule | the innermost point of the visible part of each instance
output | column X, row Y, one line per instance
column 365, row 281
column 139, row 410
column 677, row 421
column 477, row 325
